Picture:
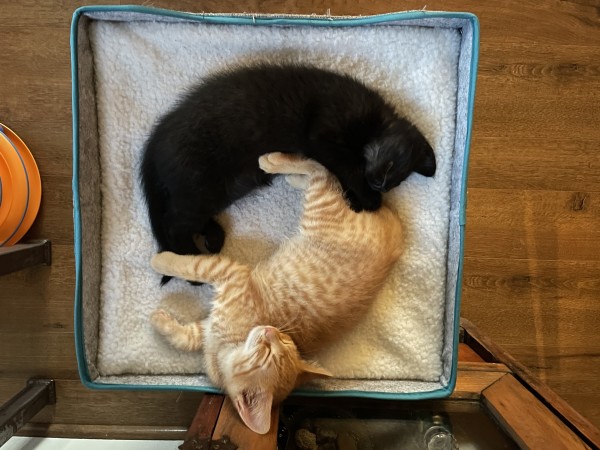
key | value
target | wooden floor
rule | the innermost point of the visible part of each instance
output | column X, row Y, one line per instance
column 532, row 261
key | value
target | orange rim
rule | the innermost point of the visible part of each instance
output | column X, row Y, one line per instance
column 5, row 190
column 33, row 187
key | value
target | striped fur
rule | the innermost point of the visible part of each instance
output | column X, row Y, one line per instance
column 317, row 285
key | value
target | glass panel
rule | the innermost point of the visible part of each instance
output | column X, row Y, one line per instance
column 331, row 428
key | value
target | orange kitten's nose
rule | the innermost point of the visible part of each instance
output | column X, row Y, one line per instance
column 270, row 333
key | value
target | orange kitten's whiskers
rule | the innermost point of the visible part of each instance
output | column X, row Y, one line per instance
column 287, row 326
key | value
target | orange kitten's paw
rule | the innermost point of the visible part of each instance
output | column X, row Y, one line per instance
column 163, row 262
column 162, row 321
column 278, row 162
column 270, row 162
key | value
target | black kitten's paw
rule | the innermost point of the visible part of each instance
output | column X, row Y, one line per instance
column 372, row 201
column 367, row 201
column 353, row 200
column 211, row 239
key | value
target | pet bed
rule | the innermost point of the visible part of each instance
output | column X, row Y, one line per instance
column 131, row 63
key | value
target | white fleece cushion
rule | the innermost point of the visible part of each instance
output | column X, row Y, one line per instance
column 142, row 67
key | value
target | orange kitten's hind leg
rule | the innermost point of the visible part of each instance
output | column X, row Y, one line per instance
column 186, row 337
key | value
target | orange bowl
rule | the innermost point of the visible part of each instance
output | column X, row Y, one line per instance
column 24, row 190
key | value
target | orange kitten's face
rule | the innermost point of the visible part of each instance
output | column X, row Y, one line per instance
column 268, row 362
column 269, row 359
column 264, row 371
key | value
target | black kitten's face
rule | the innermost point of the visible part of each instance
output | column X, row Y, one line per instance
column 391, row 158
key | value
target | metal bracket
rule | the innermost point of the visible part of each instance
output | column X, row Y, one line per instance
column 20, row 409
column 20, row 256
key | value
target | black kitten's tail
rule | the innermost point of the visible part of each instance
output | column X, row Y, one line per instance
column 164, row 280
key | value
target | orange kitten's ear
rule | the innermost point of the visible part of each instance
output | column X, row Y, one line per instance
column 255, row 410
column 309, row 370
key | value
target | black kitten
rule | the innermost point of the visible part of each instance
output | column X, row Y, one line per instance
column 203, row 155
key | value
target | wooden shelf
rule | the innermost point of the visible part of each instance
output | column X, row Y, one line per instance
column 21, row 256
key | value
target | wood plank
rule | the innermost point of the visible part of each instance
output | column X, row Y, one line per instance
column 54, row 210
column 541, row 118
column 231, row 426
column 526, row 419
column 38, row 340
column 46, row 353
column 201, row 430
column 528, row 20
column 38, row 95
column 51, row 147
column 40, row 287
column 544, row 63
column 467, row 354
column 498, row 279
column 584, row 402
column 534, row 164
column 559, row 342
column 481, row 366
column 470, row 383
column 562, row 410
column 535, row 225
column 563, row 368
column 559, row 298
column 572, row 373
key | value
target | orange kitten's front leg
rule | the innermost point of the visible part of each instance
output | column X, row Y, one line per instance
column 211, row 269
column 186, row 337
column 287, row 163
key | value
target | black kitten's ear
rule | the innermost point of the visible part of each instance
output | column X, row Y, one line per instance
column 424, row 156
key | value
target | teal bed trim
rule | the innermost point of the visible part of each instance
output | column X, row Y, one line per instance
column 263, row 20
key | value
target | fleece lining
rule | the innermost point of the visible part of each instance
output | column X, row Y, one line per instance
column 141, row 68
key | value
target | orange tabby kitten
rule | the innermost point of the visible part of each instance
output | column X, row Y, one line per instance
column 318, row 284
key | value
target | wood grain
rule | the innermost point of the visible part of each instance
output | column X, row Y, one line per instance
column 466, row 353
column 205, row 421
column 526, row 419
column 503, row 163
column 534, row 225
column 470, row 383
column 531, row 267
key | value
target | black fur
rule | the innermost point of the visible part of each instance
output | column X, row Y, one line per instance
column 203, row 155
